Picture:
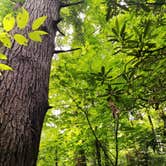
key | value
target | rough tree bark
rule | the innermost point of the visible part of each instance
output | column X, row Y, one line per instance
column 24, row 91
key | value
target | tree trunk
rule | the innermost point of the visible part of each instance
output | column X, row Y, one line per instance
column 24, row 91
column 81, row 158
column 98, row 155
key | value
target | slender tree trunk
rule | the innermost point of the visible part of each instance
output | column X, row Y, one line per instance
column 116, row 140
column 56, row 157
column 153, row 132
column 24, row 91
column 98, row 154
column 81, row 159
column 163, row 117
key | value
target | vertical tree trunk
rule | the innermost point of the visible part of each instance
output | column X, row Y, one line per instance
column 98, row 155
column 56, row 157
column 24, row 91
column 81, row 158
column 116, row 140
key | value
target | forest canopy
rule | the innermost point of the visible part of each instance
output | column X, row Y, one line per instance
column 107, row 97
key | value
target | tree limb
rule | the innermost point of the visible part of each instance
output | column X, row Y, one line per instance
column 55, row 25
column 64, row 51
column 57, row 28
column 71, row 4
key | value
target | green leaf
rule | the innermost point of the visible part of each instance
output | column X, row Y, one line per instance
column 22, row 18
column 3, row 56
column 117, row 25
column 103, row 70
column 147, row 27
column 5, row 39
column 36, row 35
column 20, row 39
column 38, row 22
column 122, row 32
column 5, row 67
column 8, row 22
column 115, row 32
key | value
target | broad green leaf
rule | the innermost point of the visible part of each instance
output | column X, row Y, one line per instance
column 5, row 67
column 22, row 18
column 20, row 39
column 5, row 39
column 3, row 56
column 38, row 22
column 36, row 35
column 8, row 22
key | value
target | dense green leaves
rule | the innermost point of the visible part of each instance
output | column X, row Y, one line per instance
column 120, row 68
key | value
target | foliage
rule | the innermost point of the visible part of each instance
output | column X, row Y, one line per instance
column 119, row 74
column 20, row 21
column 108, row 98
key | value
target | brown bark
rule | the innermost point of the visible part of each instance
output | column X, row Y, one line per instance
column 81, row 159
column 24, row 91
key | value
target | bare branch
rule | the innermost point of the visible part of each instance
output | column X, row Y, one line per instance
column 57, row 28
column 64, row 51
column 71, row 4
column 55, row 25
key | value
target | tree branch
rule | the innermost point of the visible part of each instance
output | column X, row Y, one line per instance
column 71, row 4
column 64, row 51
column 57, row 28
column 55, row 25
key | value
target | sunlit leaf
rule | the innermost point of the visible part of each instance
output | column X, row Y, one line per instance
column 20, row 39
column 38, row 22
column 3, row 56
column 22, row 18
column 8, row 22
column 36, row 35
column 5, row 67
column 5, row 39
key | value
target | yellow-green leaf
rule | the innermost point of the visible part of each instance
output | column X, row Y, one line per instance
column 22, row 18
column 8, row 22
column 36, row 35
column 5, row 39
column 3, row 56
column 41, row 32
column 5, row 67
column 20, row 39
column 38, row 22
